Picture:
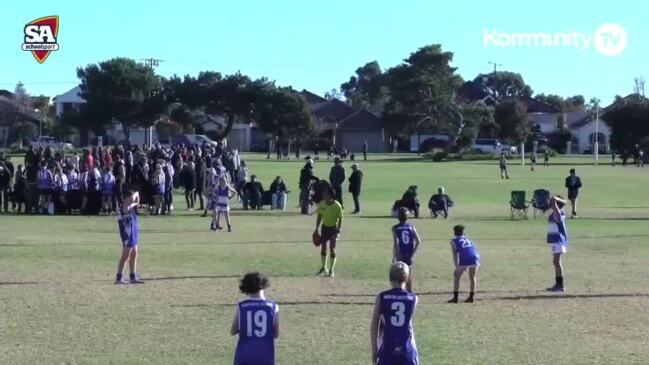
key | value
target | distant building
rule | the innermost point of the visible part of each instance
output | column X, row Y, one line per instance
column 71, row 99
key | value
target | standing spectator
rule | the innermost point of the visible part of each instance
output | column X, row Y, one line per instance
column 330, row 152
column 158, row 182
column 365, row 147
column 306, row 178
column 45, row 184
column 241, row 180
column 278, row 197
column 119, row 171
column 188, row 181
column 5, row 184
column 20, row 188
column 503, row 166
column 640, row 158
column 316, row 151
column 625, row 157
column 60, row 190
column 107, row 190
column 128, row 167
column 532, row 161
column 168, row 205
column 355, row 181
column 73, row 196
column 336, row 179
column 573, row 184
column 252, row 194
column 199, row 169
column 612, row 157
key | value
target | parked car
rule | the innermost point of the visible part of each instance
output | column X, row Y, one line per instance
column 492, row 146
column 51, row 142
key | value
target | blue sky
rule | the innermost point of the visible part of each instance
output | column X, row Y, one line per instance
column 318, row 45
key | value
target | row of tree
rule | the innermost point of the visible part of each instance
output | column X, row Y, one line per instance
column 417, row 96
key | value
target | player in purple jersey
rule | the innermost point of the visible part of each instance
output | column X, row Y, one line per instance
column 256, row 322
column 391, row 334
column 128, row 230
column 465, row 256
column 406, row 242
column 220, row 204
column 558, row 239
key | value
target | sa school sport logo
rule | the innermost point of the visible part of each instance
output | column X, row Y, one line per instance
column 41, row 37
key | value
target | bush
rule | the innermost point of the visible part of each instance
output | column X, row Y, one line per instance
column 440, row 156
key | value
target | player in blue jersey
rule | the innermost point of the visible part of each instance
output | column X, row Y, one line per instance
column 391, row 334
column 220, row 204
column 256, row 322
column 558, row 239
column 465, row 256
column 128, row 230
column 406, row 242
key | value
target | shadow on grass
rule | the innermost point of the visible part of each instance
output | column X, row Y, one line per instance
column 571, row 296
column 307, row 302
column 19, row 282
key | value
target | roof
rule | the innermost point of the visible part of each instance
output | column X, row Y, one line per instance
column 333, row 110
column 471, row 92
column 6, row 93
column 361, row 120
column 629, row 98
column 70, row 96
column 312, row 98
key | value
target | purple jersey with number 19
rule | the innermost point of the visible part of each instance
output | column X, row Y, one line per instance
column 256, row 332
column 397, row 344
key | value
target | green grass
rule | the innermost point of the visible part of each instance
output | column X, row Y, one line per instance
column 58, row 304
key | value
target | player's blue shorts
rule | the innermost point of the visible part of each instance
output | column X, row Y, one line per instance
column 469, row 261
column 129, row 243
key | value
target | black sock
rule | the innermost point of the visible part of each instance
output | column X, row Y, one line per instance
column 560, row 281
column 456, row 294
column 132, row 276
column 471, row 295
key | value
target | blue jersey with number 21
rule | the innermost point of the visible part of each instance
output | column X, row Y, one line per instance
column 397, row 345
column 256, row 332
column 466, row 250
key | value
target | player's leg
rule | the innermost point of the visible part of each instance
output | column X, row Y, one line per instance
column 132, row 265
column 323, row 257
column 473, row 273
column 332, row 255
column 409, row 280
column 126, row 252
column 457, row 274
column 227, row 219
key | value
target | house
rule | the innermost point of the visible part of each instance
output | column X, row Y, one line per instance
column 69, row 99
column 347, row 127
column 244, row 136
column 583, row 132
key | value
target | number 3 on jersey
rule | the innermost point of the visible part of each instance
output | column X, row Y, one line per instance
column 398, row 317
column 259, row 320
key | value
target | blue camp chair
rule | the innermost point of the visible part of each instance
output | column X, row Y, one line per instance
column 519, row 205
column 540, row 202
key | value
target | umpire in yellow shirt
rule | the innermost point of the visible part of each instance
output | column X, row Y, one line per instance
column 330, row 215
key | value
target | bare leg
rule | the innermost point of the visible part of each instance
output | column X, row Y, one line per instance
column 227, row 220
column 132, row 262
column 473, row 270
column 457, row 274
column 409, row 281
column 558, row 264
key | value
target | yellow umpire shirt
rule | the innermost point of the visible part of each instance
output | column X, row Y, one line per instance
column 330, row 213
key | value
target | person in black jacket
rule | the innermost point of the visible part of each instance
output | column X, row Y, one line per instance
column 278, row 191
column 5, row 185
column 440, row 203
column 20, row 189
column 252, row 194
column 573, row 184
column 306, row 180
column 355, row 181
column 337, row 178
column 188, row 181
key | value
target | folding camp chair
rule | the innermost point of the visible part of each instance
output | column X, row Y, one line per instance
column 519, row 205
column 540, row 202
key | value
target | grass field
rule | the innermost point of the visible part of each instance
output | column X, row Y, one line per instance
column 58, row 304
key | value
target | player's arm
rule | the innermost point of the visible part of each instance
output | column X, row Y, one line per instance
column 454, row 253
column 276, row 325
column 417, row 241
column 318, row 221
column 395, row 245
column 374, row 330
column 234, row 329
column 136, row 200
column 340, row 218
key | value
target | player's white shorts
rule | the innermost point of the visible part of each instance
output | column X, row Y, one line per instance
column 222, row 209
column 558, row 248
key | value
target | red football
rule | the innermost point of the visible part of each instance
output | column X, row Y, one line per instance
column 316, row 239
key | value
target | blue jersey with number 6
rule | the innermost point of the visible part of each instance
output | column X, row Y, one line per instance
column 397, row 344
column 405, row 234
column 466, row 250
column 256, row 332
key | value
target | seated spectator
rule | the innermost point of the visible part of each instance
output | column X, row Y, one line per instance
column 20, row 188
column 409, row 200
column 252, row 191
column 439, row 203
column 278, row 189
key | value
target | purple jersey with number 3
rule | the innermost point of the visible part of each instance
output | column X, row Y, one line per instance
column 397, row 344
column 256, row 344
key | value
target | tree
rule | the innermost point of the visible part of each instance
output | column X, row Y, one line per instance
column 121, row 90
column 563, row 104
column 628, row 119
column 16, row 113
column 367, row 89
column 333, row 94
column 422, row 95
column 513, row 122
column 503, row 84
